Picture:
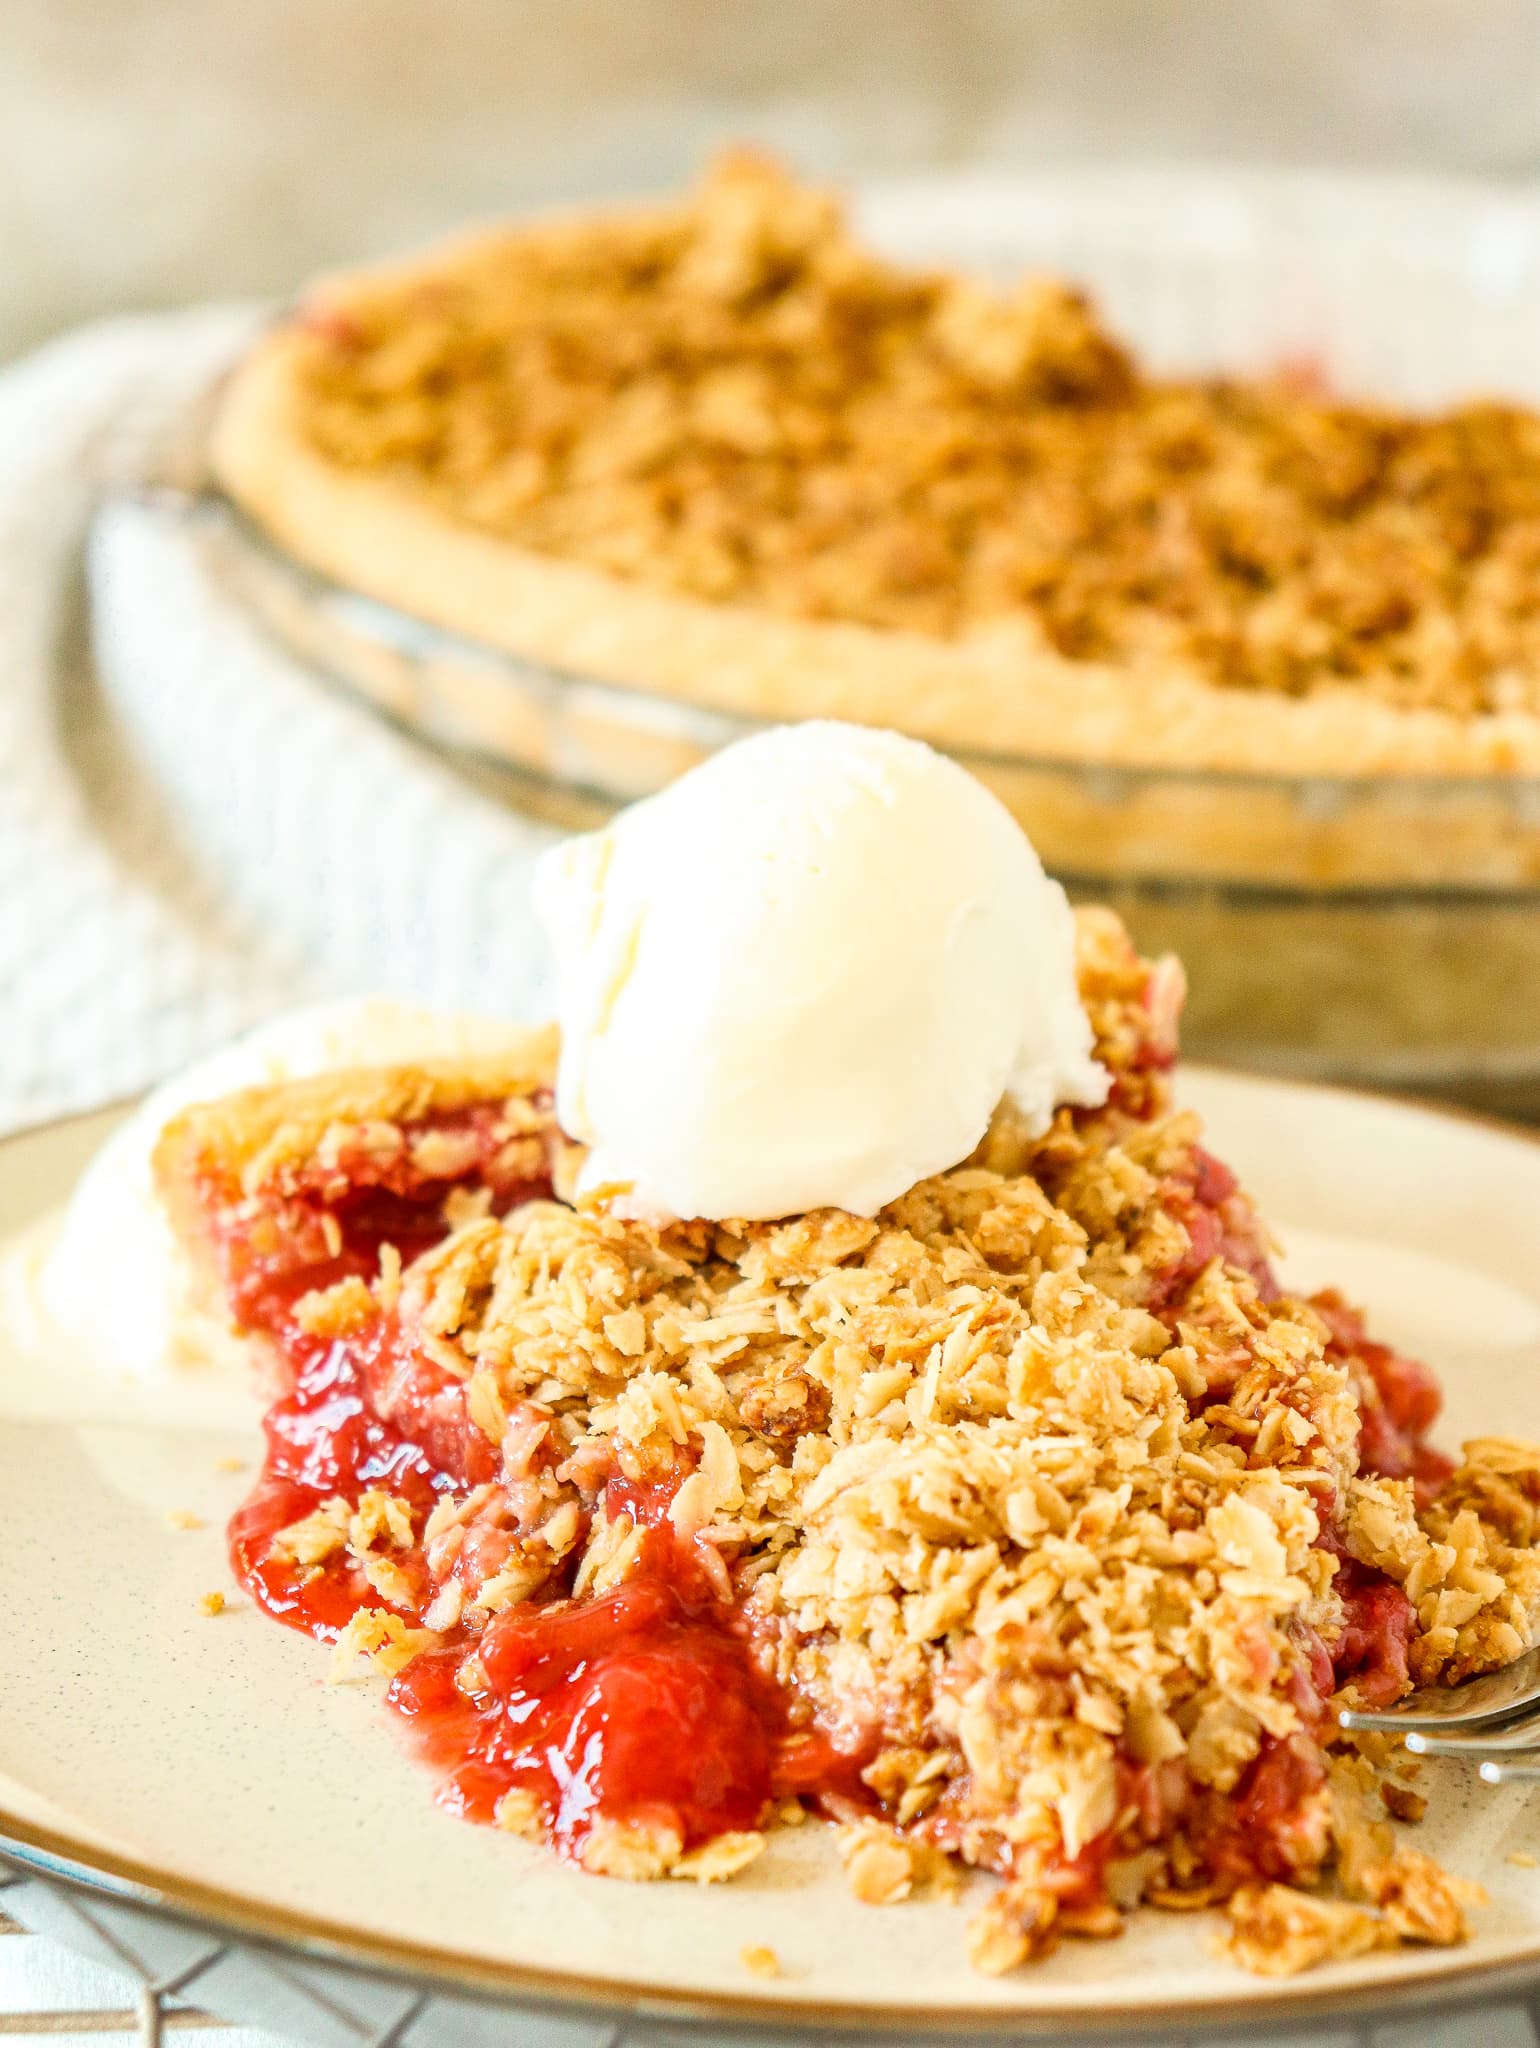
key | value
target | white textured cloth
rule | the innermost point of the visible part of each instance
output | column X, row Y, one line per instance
column 195, row 831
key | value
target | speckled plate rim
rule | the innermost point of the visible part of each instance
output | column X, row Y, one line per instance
column 231, row 1916
column 1420, row 1983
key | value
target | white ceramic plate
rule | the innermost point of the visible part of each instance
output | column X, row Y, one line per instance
column 203, row 1761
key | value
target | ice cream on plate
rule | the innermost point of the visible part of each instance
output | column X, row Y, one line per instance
column 103, row 1296
column 804, row 976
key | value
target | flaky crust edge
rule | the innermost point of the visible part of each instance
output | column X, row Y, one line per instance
column 1000, row 691
column 288, row 1119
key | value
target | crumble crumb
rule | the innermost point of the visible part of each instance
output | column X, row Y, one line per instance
column 1420, row 1901
column 1011, row 1928
column 212, row 1603
column 518, row 1813
column 394, row 1586
column 630, row 1849
column 720, row 1858
column 315, row 1537
column 379, row 1517
column 379, row 1640
column 339, row 1311
column 183, row 1518
column 388, row 1286
column 484, row 1404
column 879, row 1864
column 446, row 1607
column 229, row 1464
column 1402, row 1802
column 1522, row 1860
column 1277, row 1931
column 760, row 1961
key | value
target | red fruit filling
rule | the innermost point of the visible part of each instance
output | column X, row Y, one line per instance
column 645, row 1705
column 642, row 1706
column 1398, row 1398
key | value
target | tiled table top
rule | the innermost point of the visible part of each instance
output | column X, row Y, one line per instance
column 49, row 1995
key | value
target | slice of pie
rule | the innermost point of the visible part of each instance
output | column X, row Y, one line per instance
column 720, row 450
column 1027, row 1526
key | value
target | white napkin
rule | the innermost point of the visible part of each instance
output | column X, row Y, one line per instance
column 194, row 830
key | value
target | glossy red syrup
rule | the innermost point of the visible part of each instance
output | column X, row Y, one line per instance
column 643, row 1706
column 326, row 1437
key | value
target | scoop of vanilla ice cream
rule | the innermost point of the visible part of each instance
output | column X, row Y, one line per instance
column 116, row 1280
column 805, row 975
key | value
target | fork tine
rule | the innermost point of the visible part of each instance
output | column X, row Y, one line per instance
column 1496, row 1773
column 1516, row 1738
column 1417, row 1721
column 1495, row 1700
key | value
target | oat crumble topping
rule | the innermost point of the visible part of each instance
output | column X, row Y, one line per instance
column 731, row 398
column 1033, row 1495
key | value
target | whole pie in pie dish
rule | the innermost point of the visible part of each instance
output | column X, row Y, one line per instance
column 1027, row 1525
column 719, row 450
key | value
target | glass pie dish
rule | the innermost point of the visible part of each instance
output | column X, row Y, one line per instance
column 1381, row 930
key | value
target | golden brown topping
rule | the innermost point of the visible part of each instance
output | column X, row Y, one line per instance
column 1420, row 1901
column 335, row 1311
column 1028, row 1493
column 631, row 1849
column 381, row 1642
column 721, row 1858
column 1277, row 1931
column 784, row 1408
column 732, row 398
column 518, row 1813
column 1402, row 1802
column 317, row 1536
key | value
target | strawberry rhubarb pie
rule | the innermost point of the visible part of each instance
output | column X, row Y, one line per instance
column 832, row 1378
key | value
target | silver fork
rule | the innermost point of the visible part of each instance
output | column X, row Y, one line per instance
column 1493, row 1720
